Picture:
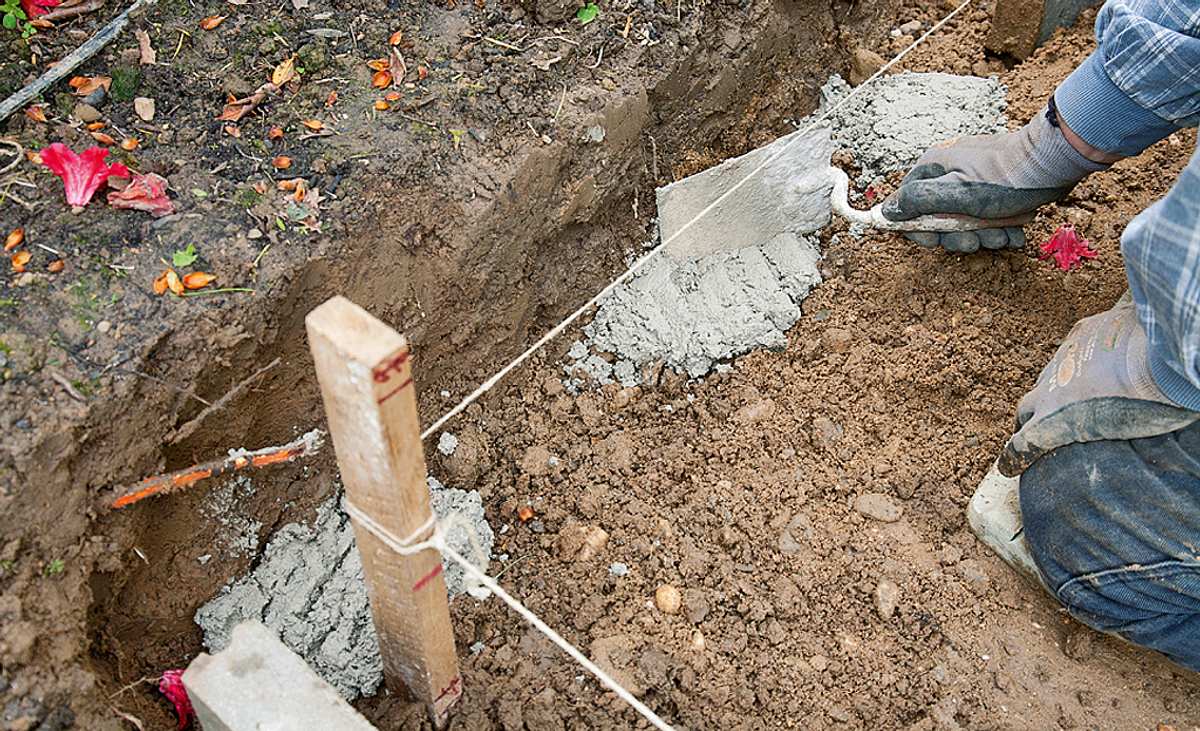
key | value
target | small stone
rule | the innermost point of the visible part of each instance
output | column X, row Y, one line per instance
column 911, row 28
column 23, row 280
column 618, row 569
column 96, row 98
column 695, row 606
column 536, row 461
column 887, row 596
column 254, row 233
column 950, row 554
column 698, row 642
column 863, row 64
column 204, row 559
column 447, row 443
column 103, row 326
column 878, row 506
column 86, row 113
column 818, row 663
column 755, row 411
column 977, row 581
column 144, row 107
column 668, row 599
column 837, row 340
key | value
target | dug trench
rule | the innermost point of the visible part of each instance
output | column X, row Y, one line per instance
column 471, row 258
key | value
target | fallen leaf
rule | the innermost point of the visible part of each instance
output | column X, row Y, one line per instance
column 1067, row 248
column 81, row 174
column 144, row 107
column 422, row 73
column 395, row 38
column 14, row 238
column 36, row 112
column 212, row 21
column 525, row 513
column 378, row 64
column 331, row 99
column 260, row 187
column 173, row 282
column 171, row 685
column 233, row 131
column 198, row 280
column 145, row 50
column 94, row 126
column 84, row 85
column 313, row 124
column 281, row 162
column 33, row 157
column 102, row 138
column 289, row 185
column 301, row 191
column 392, row 96
column 381, row 105
column 284, row 72
column 381, row 79
column 145, row 192
column 235, row 109
column 275, row 133
column 20, row 259
column 55, row 266
column 41, row 23
column 129, row 144
column 396, row 66
column 160, row 283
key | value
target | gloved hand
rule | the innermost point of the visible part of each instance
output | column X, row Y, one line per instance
column 990, row 176
column 1097, row 386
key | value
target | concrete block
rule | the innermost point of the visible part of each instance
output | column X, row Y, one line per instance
column 789, row 196
column 1020, row 26
column 258, row 684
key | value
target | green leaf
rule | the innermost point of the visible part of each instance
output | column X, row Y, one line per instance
column 185, row 257
column 587, row 13
column 10, row 21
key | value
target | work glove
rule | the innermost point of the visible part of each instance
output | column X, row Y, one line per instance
column 1097, row 386
column 990, row 176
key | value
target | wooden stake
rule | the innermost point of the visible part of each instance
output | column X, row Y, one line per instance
column 365, row 373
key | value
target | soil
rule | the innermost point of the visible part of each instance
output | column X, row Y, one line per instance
column 739, row 489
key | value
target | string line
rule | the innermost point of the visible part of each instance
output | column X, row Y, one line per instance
column 645, row 259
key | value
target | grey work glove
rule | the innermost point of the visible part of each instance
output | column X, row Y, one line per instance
column 1097, row 386
column 990, row 176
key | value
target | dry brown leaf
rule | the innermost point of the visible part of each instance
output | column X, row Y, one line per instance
column 146, row 51
column 235, row 109
column 41, row 23
column 378, row 64
column 422, row 72
column 275, row 133
column 212, row 21
column 102, row 138
column 20, row 259
column 84, row 85
column 331, row 99
column 284, row 72
column 129, row 144
column 313, row 124
column 392, row 96
column 173, row 282
column 395, row 38
column 233, row 131
column 160, row 283
column 381, row 79
column 260, row 187
column 397, row 66
column 289, row 185
column 281, row 162
column 381, row 105
column 36, row 112
column 94, row 126
column 14, row 238
column 301, row 191
column 55, row 266
column 198, row 280
column 33, row 157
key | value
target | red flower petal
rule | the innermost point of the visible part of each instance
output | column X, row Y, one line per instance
column 1067, row 248
column 34, row 8
column 171, row 685
column 144, row 193
column 82, row 174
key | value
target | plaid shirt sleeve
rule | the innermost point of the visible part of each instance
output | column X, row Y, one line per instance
column 1141, row 84
column 1161, row 248
column 1143, row 80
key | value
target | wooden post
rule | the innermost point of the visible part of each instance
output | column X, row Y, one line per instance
column 365, row 373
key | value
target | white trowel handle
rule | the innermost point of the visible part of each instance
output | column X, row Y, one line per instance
column 939, row 223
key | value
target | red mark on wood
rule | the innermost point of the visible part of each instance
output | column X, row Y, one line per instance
column 454, row 690
column 382, row 373
column 427, row 578
column 394, row 391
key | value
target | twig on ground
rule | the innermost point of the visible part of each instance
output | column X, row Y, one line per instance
column 17, row 156
column 502, row 44
column 61, row 380
column 70, row 11
column 599, row 58
column 307, row 444
column 71, row 61
column 561, row 100
column 191, row 426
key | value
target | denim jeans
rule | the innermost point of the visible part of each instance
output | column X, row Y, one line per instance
column 1114, row 527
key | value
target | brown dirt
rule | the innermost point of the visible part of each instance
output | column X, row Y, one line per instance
column 738, row 489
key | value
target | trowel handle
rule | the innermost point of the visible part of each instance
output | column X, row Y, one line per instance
column 940, row 223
